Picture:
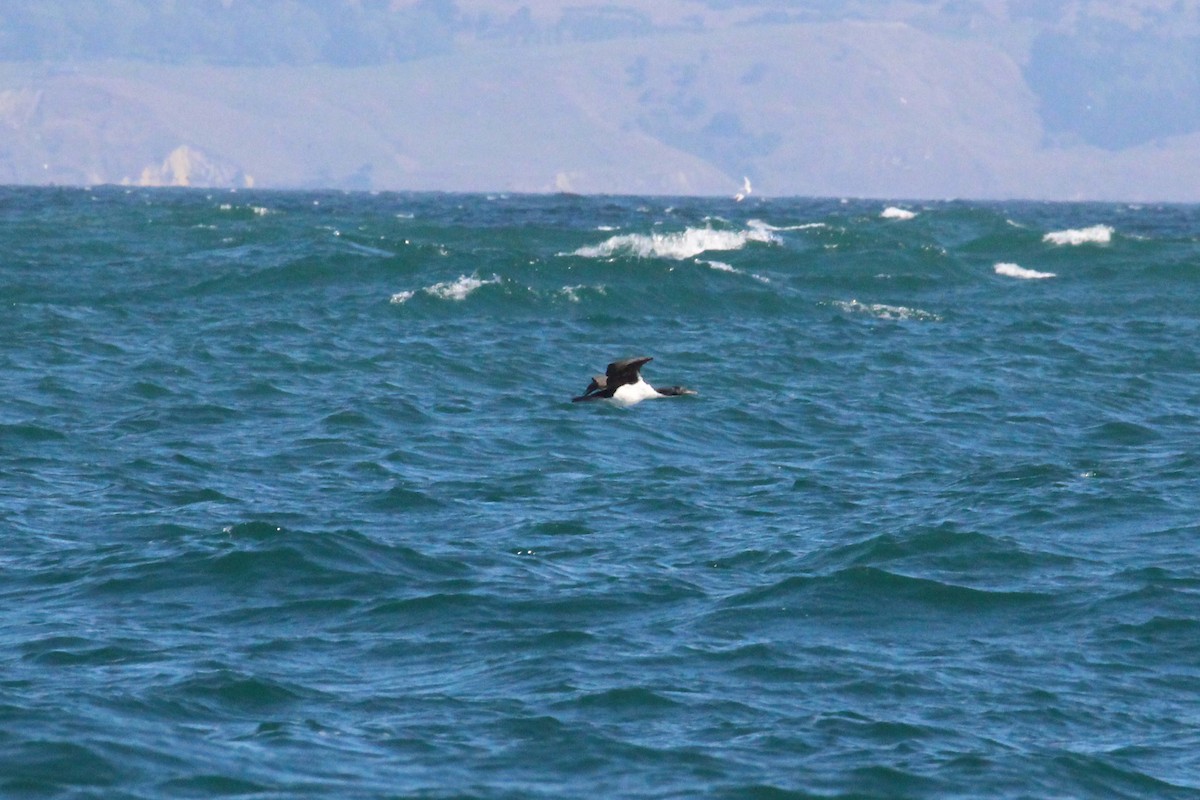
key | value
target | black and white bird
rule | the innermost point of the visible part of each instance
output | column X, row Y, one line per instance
column 622, row 384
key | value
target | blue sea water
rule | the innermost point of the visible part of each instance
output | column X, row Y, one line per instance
column 294, row 501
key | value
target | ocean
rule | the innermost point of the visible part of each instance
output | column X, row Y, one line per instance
column 295, row 501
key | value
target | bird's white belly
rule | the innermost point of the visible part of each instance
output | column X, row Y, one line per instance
column 631, row 393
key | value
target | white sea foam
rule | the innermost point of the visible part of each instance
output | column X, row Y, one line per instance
column 721, row 266
column 571, row 293
column 892, row 212
column 259, row 211
column 459, row 289
column 448, row 290
column 882, row 311
column 678, row 245
column 1096, row 234
column 766, row 226
column 1015, row 271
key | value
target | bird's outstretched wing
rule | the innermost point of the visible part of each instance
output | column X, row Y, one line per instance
column 595, row 390
column 627, row 370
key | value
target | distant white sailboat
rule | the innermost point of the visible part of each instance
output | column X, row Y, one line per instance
column 745, row 192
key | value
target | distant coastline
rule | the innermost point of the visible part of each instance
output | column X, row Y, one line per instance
column 641, row 99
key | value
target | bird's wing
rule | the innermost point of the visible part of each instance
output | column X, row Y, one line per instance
column 595, row 389
column 625, row 371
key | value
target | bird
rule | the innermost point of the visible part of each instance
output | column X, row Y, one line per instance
column 622, row 385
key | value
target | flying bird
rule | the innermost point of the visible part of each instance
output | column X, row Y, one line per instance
column 622, row 385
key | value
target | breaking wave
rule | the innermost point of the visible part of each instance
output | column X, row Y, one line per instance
column 766, row 226
column 448, row 290
column 1096, row 234
column 1016, row 271
column 721, row 266
column 887, row 312
column 678, row 245
column 572, row 293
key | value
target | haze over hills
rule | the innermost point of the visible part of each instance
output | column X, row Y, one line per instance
column 942, row 98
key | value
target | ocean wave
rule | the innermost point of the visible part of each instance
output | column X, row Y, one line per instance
column 721, row 266
column 363, row 249
column 571, row 293
column 766, row 226
column 1096, row 234
column 1016, row 271
column 324, row 527
column 458, row 289
column 29, row 432
column 258, row 211
column 892, row 212
column 904, row 592
column 883, row 311
column 678, row 245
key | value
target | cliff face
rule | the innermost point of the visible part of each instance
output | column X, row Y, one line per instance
column 803, row 108
column 187, row 166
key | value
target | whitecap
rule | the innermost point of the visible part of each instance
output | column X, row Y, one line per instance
column 448, row 290
column 258, row 211
column 459, row 289
column 892, row 212
column 571, row 293
column 1015, row 271
column 766, row 226
column 679, row 245
column 883, row 311
column 721, row 266
column 1096, row 234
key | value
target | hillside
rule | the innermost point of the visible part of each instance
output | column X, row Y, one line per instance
column 910, row 106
